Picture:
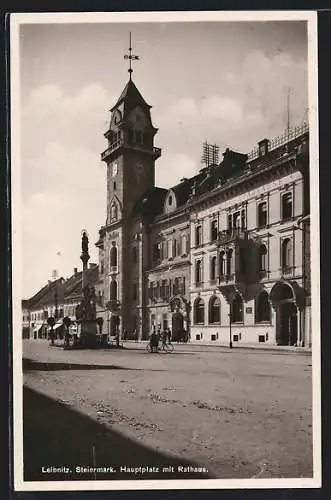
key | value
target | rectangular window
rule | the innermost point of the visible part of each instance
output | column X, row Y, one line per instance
column 230, row 222
column 214, row 230
column 287, row 206
column 243, row 220
column 135, row 291
column 156, row 252
column 198, row 235
column 170, row 248
column 174, row 247
column 262, row 214
column 167, row 289
column 135, row 255
column 236, row 220
column 138, row 137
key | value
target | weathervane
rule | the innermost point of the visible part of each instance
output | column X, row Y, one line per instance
column 131, row 57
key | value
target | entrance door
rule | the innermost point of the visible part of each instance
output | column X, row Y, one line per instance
column 114, row 323
column 177, row 325
column 288, row 325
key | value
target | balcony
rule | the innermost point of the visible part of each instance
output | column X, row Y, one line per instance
column 154, row 152
column 112, row 147
column 287, row 271
column 225, row 279
column 230, row 235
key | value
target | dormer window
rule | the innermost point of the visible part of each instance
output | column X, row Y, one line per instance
column 263, row 147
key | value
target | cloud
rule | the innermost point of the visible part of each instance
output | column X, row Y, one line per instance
column 171, row 167
column 64, row 182
column 65, row 192
column 71, row 120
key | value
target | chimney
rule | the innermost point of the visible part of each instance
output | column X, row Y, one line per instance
column 263, row 147
column 75, row 270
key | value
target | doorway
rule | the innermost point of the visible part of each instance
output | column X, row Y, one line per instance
column 288, row 324
column 177, row 325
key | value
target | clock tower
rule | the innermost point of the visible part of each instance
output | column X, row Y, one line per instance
column 130, row 155
column 130, row 161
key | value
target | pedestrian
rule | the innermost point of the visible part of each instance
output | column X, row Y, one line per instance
column 169, row 335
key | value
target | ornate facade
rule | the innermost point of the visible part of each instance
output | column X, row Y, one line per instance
column 222, row 256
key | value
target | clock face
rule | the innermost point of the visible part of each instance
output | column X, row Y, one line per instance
column 114, row 170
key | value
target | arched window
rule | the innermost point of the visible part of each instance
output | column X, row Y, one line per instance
column 287, row 206
column 198, row 272
column 262, row 256
column 262, row 308
column 287, row 254
column 237, row 309
column 214, row 310
column 113, row 212
column 229, row 262
column 199, row 311
column 222, row 264
column 113, row 290
column 113, row 256
column 213, row 261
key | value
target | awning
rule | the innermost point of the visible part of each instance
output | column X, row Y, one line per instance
column 55, row 327
column 37, row 328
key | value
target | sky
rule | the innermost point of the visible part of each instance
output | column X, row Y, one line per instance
column 224, row 82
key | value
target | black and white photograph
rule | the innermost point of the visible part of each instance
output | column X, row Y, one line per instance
column 165, row 250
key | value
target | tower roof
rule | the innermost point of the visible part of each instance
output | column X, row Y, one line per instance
column 131, row 97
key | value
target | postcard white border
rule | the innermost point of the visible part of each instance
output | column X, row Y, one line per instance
column 106, row 17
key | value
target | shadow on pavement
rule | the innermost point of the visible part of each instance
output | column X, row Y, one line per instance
column 57, row 436
column 30, row 365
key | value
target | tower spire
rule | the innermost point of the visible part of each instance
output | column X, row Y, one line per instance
column 131, row 57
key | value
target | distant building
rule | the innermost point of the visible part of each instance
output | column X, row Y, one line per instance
column 59, row 298
column 221, row 256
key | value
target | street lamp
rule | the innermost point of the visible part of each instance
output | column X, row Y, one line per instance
column 230, row 325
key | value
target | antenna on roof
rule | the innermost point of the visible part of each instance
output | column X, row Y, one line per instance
column 210, row 154
column 288, row 121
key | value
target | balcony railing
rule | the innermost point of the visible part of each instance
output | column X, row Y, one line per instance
column 287, row 136
column 226, row 278
column 287, row 271
column 231, row 234
column 120, row 142
column 111, row 148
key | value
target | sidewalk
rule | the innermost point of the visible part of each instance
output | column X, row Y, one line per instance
column 140, row 344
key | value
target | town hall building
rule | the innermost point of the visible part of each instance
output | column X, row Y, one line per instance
column 223, row 256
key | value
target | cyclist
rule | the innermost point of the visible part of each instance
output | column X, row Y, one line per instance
column 154, row 341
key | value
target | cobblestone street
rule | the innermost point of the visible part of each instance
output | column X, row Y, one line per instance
column 238, row 414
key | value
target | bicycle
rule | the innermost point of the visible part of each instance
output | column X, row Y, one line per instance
column 167, row 348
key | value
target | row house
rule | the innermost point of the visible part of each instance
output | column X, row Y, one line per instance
column 58, row 299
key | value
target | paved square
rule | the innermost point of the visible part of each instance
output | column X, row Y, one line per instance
column 241, row 413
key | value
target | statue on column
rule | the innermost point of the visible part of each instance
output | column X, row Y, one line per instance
column 84, row 243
